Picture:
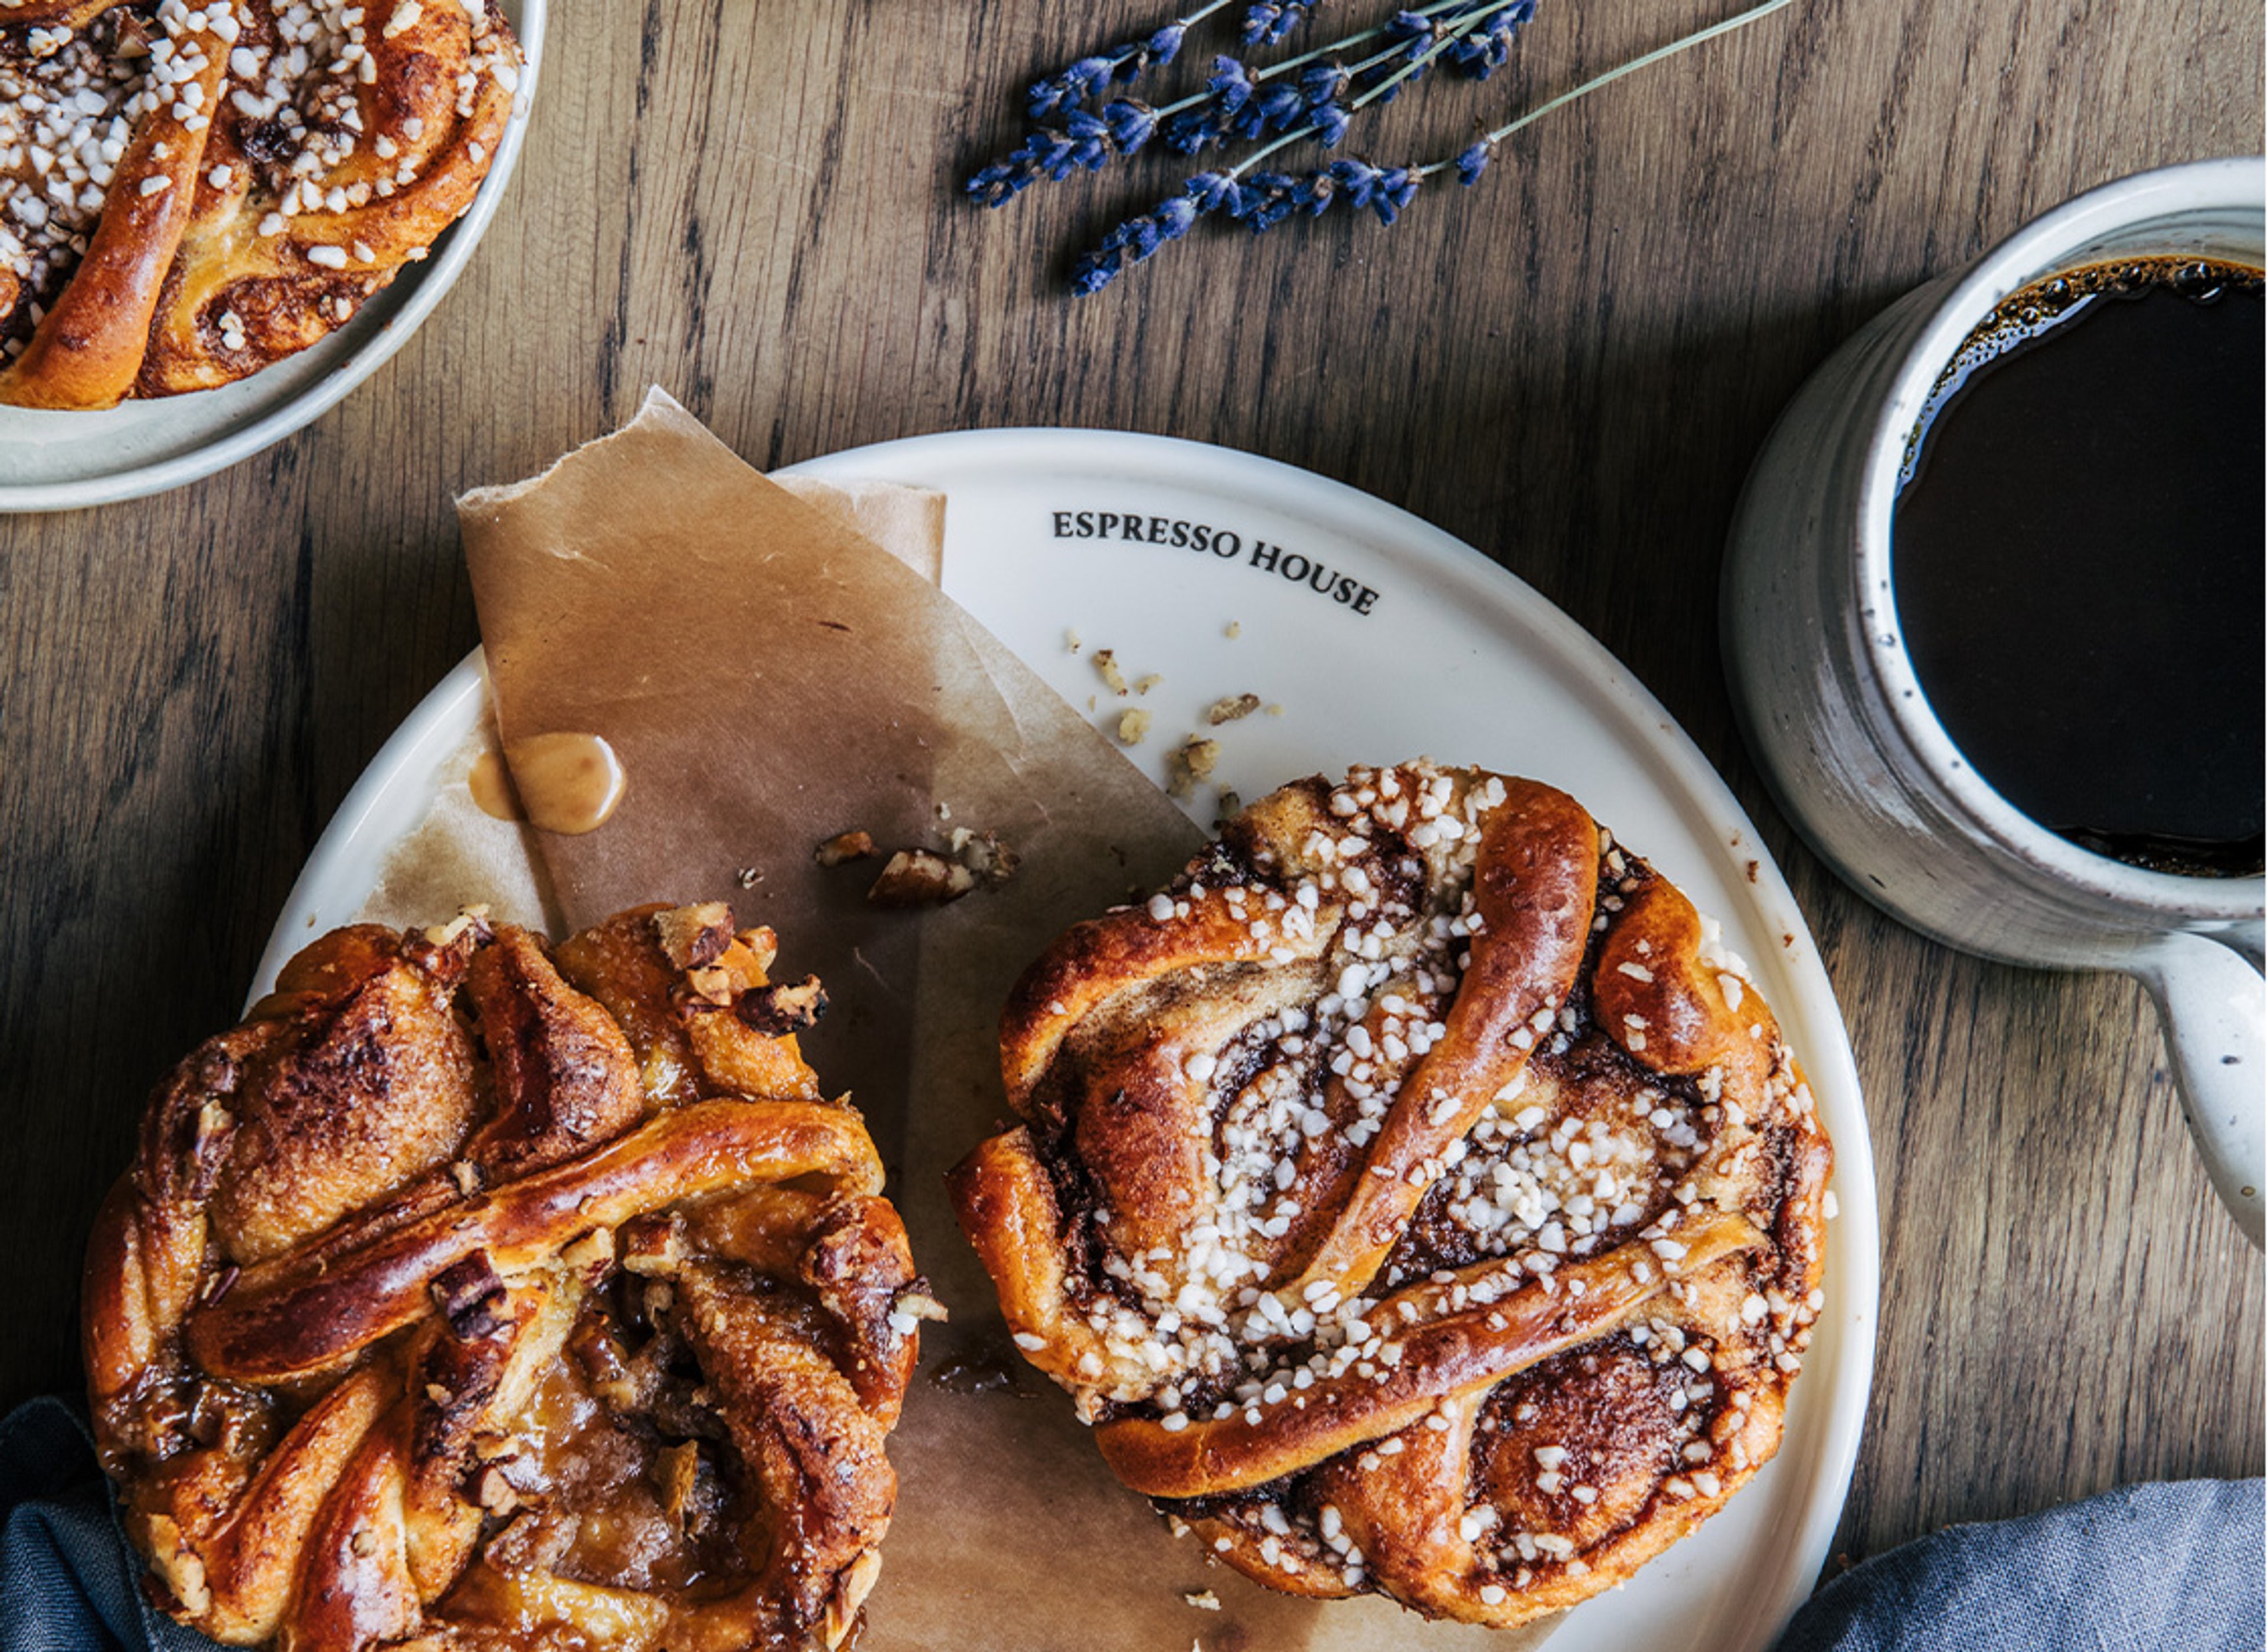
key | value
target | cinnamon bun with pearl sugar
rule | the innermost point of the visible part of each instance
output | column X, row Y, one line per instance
column 191, row 192
column 475, row 1293
column 1415, row 1196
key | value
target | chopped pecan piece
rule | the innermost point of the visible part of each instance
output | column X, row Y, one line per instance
column 711, row 984
column 216, row 1129
column 919, row 878
column 918, row 1303
column 444, row 950
column 467, row 1295
column 762, row 945
column 495, row 1493
column 787, row 1006
column 695, row 937
column 985, row 855
column 847, row 846
column 650, row 1245
column 676, row 1473
column 534, row 1542
column 593, row 1254
column 219, row 1285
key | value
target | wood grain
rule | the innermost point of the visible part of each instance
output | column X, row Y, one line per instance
column 1569, row 366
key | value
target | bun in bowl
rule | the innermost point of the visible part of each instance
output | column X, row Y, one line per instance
column 190, row 192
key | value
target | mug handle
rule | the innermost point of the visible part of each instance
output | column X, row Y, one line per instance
column 2213, row 1001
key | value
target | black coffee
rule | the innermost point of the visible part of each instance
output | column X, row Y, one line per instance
column 2078, row 552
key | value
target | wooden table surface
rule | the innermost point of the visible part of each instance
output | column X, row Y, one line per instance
column 1569, row 366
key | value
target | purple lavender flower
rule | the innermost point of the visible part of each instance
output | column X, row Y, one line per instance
column 1070, row 88
column 1095, row 270
column 1471, row 163
column 1274, row 108
column 1191, row 131
column 1396, row 188
column 1131, row 123
column 1089, row 140
column 1165, row 44
column 1140, row 238
column 1268, row 21
column 1324, row 83
column 1358, row 178
column 1089, row 76
column 1488, row 47
column 1212, row 192
column 1175, row 215
column 1230, row 85
column 1045, row 153
column 1266, row 200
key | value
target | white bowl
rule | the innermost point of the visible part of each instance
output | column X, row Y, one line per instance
column 63, row 461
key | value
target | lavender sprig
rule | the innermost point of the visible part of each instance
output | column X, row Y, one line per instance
column 1089, row 76
column 1472, row 161
column 1270, row 197
column 1236, row 101
column 1234, row 106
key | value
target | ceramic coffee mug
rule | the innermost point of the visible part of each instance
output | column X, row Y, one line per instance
column 1827, row 696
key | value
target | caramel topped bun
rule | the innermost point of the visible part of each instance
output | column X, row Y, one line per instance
column 479, row 1293
column 189, row 193
column 1414, row 1196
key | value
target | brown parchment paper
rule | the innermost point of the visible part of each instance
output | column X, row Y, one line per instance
column 770, row 676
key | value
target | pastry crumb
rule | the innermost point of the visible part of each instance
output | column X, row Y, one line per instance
column 983, row 854
column 1133, row 727
column 1275, row 711
column 1231, row 708
column 1203, row 1600
column 747, row 877
column 1231, row 804
column 1192, row 760
column 844, row 846
column 1105, row 664
column 1235, row 630
column 1144, row 684
column 1072, row 641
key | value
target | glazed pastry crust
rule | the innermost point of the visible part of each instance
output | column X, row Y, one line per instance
column 1413, row 1196
column 427, row 1315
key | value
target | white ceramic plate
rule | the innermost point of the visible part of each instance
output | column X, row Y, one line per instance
column 63, row 461
column 1450, row 657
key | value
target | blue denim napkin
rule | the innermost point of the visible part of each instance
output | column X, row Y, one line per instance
column 73, row 1583
column 2177, row 1568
